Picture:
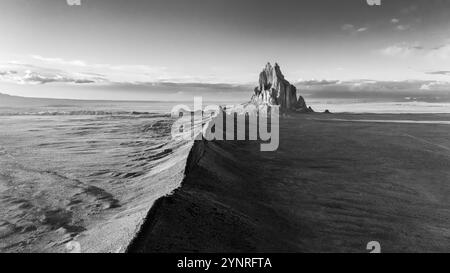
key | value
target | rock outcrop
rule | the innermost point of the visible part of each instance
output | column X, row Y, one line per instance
column 274, row 89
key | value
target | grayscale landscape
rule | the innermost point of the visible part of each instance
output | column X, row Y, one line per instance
column 210, row 126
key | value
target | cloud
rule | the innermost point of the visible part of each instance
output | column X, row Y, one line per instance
column 428, row 91
column 353, row 29
column 30, row 74
column 402, row 27
column 86, row 65
column 441, row 52
column 395, row 20
column 435, row 86
column 316, row 83
column 36, row 78
column 49, row 70
column 45, row 70
column 442, row 72
column 432, row 54
column 362, row 29
column 59, row 61
column 9, row 72
column 347, row 27
column 402, row 49
column 126, row 73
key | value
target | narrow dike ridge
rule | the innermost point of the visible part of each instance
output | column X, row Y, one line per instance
column 195, row 154
column 223, row 204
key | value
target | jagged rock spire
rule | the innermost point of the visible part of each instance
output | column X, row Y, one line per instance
column 274, row 89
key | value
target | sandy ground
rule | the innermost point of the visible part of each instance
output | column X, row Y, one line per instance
column 86, row 181
column 332, row 186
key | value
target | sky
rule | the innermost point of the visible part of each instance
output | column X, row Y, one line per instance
column 172, row 49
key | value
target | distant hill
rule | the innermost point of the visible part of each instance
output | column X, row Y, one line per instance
column 17, row 101
column 14, row 101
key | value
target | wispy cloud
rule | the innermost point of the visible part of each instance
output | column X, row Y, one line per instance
column 441, row 72
column 317, row 82
column 60, row 70
column 437, row 55
column 80, row 63
column 362, row 29
column 59, row 61
column 402, row 27
column 431, row 86
column 8, row 72
column 35, row 78
column 80, row 72
column 441, row 52
column 30, row 74
column 353, row 29
column 419, row 90
column 347, row 27
column 402, row 49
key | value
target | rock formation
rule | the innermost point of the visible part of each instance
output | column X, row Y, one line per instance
column 274, row 89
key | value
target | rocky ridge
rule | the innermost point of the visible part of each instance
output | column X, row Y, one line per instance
column 274, row 89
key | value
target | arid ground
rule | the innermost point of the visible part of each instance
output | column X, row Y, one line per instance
column 332, row 186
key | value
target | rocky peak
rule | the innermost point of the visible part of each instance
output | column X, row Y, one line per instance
column 274, row 89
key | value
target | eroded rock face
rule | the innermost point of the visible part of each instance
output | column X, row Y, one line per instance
column 302, row 107
column 274, row 89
